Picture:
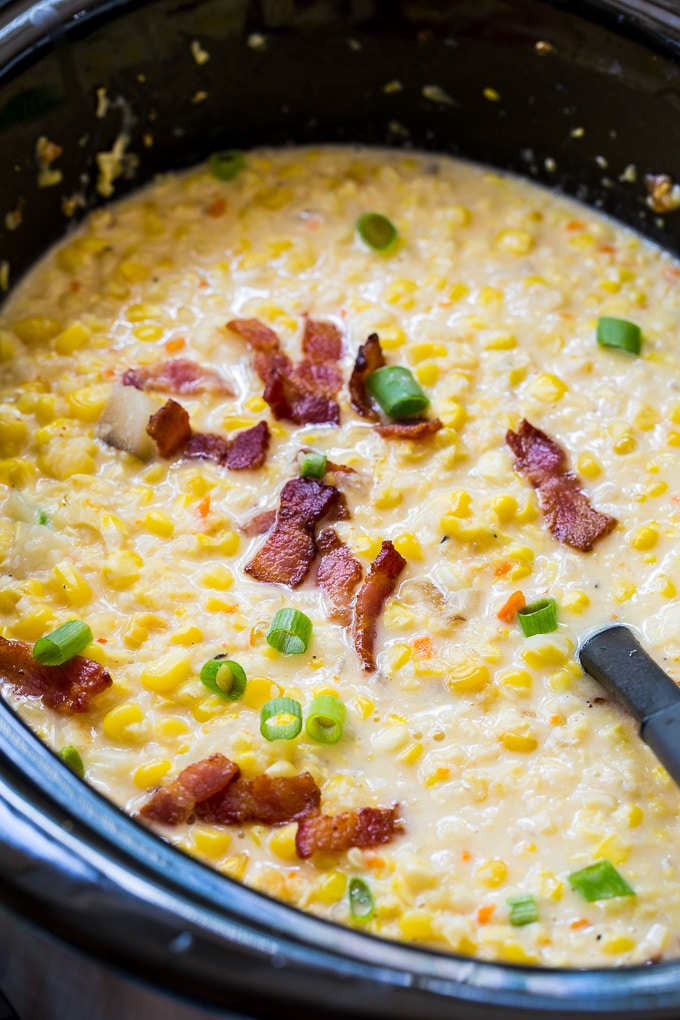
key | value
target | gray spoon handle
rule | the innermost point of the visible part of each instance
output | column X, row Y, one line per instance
column 616, row 659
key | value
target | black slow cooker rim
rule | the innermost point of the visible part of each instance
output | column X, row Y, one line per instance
column 66, row 849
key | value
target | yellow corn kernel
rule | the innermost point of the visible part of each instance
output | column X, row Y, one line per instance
column 72, row 338
column 500, row 342
column 575, row 601
column 190, row 635
column 546, row 650
column 470, row 534
column 63, row 458
column 119, row 724
column 392, row 337
column 492, row 873
column 548, row 388
column 256, row 405
column 219, row 578
column 37, row 329
column 411, row 754
column 461, row 501
column 645, row 538
column 159, row 524
column 171, row 726
column 69, row 585
column 624, row 444
column 8, row 600
column 513, row 952
column 623, row 590
column 386, row 499
column 367, row 545
column 529, row 512
column 440, row 775
column 331, row 887
column 416, row 925
column 235, row 867
column 665, row 586
column 33, row 625
column 207, row 708
column 396, row 615
column 425, row 351
column 618, row 944
column 147, row 332
column 364, row 707
column 646, row 418
column 518, row 679
column 139, row 626
column 151, row 773
column 397, row 656
column 517, row 374
column 166, row 672
column 467, row 675
column 614, row 849
column 490, row 295
column 282, row 842
column 142, row 312
column 523, row 742
column 122, row 568
column 427, row 373
column 458, row 216
column 408, row 546
column 229, row 542
column 133, row 272
column 212, row 843
column 455, row 417
column 588, row 465
column 505, row 508
column 635, row 816
column 401, row 292
column 88, row 403
column 611, row 286
column 260, row 690
column 45, row 409
column 13, row 433
column 514, row 241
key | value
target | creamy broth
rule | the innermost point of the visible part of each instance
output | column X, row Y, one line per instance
column 511, row 769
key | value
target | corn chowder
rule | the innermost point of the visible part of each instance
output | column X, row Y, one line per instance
column 512, row 772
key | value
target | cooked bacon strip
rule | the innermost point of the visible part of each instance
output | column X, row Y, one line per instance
column 247, row 450
column 419, row 429
column 68, row 689
column 172, row 804
column 369, row 357
column 372, row 596
column 332, row 833
column 178, row 376
column 260, row 524
column 322, row 341
column 338, row 574
column 258, row 335
column 568, row 512
column 303, row 393
column 287, row 554
column 170, row 428
column 271, row 800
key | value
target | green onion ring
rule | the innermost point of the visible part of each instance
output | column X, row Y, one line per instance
column 376, row 231
column 63, row 644
column 226, row 165
column 397, row 392
column 71, row 757
column 326, row 719
column 224, row 677
column 361, row 902
column 273, row 729
column 523, row 909
column 538, row 618
column 600, row 881
column 313, row 464
column 290, row 632
column 619, row 333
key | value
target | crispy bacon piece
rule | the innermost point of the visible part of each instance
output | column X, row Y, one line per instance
column 332, row 833
column 178, row 376
column 270, row 800
column 303, row 393
column 338, row 574
column 418, row 429
column 260, row 524
column 567, row 510
column 172, row 804
column 170, row 428
column 369, row 357
column 258, row 335
column 247, row 450
column 372, row 596
column 287, row 554
column 67, row 689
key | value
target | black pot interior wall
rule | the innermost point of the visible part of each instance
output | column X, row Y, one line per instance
column 129, row 90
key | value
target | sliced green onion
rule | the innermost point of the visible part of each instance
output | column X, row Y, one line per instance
column 224, row 677
column 376, row 231
column 313, row 464
column 538, row 617
column 70, row 756
column 619, row 333
column 290, row 632
column 226, row 165
column 600, row 881
column 63, row 644
column 397, row 392
column 361, row 902
column 523, row 909
column 281, row 719
column 42, row 518
column 326, row 719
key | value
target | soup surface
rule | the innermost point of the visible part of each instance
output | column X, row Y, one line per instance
column 511, row 772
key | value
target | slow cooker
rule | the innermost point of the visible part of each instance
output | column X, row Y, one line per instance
column 99, row 918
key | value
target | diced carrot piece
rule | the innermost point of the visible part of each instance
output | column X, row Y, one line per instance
column 509, row 610
column 503, row 568
column 178, row 343
column 485, row 913
column 203, row 507
column 466, row 855
column 423, row 646
column 217, row 208
column 580, row 922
